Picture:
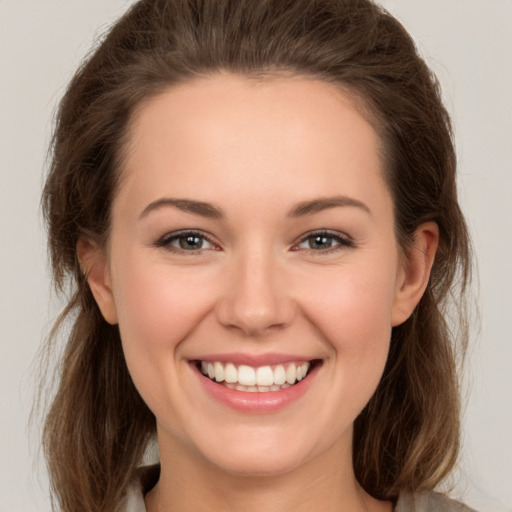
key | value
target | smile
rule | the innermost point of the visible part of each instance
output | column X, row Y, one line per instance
column 255, row 379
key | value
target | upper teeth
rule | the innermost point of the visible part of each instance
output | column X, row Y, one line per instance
column 260, row 376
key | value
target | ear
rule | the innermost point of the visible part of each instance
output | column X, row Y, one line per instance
column 94, row 263
column 414, row 273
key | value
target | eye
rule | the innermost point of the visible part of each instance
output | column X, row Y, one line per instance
column 324, row 241
column 186, row 241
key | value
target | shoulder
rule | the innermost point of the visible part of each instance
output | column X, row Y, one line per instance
column 429, row 502
column 133, row 500
column 143, row 480
column 146, row 477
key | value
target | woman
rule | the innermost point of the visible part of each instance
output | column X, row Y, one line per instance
column 256, row 205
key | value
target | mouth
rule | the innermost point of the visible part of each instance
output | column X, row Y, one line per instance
column 261, row 379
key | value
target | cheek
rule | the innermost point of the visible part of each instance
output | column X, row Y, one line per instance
column 157, row 306
column 352, row 310
column 353, row 306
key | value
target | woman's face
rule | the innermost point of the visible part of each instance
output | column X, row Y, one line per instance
column 252, row 236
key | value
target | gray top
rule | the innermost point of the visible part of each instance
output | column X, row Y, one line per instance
column 407, row 502
column 428, row 502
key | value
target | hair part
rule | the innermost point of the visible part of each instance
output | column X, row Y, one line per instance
column 97, row 428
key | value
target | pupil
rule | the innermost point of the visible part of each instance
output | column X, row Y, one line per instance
column 320, row 242
column 191, row 242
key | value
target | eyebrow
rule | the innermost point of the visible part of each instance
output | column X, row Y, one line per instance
column 324, row 203
column 185, row 205
column 210, row 211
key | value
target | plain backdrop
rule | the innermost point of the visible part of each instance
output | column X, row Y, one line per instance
column 469, row 45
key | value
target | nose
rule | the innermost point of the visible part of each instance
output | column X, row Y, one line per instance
column 256, row 297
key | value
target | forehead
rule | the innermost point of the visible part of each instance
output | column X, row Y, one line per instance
column 225, row 135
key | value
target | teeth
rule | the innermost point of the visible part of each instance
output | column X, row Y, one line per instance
column 246, row 375
column 301, row 371
column 230, row 373
column 264, row 376
column 219, row 371
column 291, row 374
column 261, row 379
column 279, row 375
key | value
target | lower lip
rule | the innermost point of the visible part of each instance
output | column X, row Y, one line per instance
column 257, row 402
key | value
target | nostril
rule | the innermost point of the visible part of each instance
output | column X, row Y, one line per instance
column 255, row 302
column 254, row 323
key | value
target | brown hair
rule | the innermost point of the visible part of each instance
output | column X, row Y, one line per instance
column 97, row 428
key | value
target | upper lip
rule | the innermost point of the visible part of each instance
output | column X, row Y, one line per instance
column 254, row 360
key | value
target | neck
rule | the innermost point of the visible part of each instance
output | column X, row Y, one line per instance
column 327, row 483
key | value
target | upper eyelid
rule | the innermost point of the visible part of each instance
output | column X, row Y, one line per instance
column 179, row 232
column 173, row 235
column 344, row 243
column 327, row 232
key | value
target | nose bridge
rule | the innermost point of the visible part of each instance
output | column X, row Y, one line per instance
column 256, row 298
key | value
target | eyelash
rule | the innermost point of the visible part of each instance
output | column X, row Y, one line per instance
column 341, row 241
column 167, row 240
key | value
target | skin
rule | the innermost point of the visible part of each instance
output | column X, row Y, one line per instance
column 255, row 151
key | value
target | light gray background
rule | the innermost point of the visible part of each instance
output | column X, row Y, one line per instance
column 469, row 45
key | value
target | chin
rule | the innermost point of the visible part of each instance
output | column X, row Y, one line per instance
column 258, row 466
column 257, row 459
